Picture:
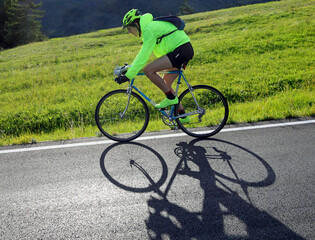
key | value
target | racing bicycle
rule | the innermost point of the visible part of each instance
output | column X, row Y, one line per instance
column 123, row 115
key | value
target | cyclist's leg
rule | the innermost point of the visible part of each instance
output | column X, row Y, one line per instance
column 157, row 65
column 169, row 78
column 181, row 55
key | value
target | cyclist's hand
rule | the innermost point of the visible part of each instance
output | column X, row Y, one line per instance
column 121, row 79
column 118, row 71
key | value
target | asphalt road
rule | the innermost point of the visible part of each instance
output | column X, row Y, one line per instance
column 247, row 184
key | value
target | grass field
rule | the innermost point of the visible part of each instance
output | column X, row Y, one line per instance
column 261, row 57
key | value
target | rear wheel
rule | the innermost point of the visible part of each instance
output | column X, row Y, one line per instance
column 207, row 109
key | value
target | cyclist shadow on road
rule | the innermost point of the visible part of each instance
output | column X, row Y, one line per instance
column 225, row 173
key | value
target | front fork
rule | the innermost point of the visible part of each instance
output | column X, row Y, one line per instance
column 128, row 92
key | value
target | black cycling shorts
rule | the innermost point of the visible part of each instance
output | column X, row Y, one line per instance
column 181, row 55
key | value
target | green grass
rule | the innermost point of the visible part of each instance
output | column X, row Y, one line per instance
column 261, row 57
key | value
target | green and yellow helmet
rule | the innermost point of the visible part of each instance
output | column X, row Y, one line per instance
column 130, row 16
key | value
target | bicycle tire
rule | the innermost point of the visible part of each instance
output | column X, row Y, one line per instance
column 215, row 114
column 121, row 128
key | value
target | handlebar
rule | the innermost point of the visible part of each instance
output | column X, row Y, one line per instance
column 120, row 71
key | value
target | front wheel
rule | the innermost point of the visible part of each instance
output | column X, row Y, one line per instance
column 120, row 118
column 207, row 110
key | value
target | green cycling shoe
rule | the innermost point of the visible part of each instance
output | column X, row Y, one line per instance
column 167, row 102
column 185, row 120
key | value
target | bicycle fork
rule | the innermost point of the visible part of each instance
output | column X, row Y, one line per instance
column 128, row 92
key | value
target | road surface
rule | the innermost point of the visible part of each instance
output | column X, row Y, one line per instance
column 246, row 183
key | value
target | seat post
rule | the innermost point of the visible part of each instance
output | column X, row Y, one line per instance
column 178, row 81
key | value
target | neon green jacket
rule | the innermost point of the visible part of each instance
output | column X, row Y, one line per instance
column 151, row 30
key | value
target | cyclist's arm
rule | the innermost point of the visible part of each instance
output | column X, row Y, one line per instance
column 149, row 41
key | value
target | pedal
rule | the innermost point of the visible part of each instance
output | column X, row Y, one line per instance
column 174, row 128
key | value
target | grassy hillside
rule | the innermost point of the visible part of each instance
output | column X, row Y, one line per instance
column 261, row 57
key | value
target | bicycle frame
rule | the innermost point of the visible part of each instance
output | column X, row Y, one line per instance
column 197, row 101
column 169, row 116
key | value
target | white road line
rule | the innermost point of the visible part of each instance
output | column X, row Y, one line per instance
column 17, row 150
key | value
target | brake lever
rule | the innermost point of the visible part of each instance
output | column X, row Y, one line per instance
column 118, row 71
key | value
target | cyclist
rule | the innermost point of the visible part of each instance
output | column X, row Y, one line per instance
column 172, row 51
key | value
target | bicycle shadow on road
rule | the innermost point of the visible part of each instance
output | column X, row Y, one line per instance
column 144, row 168
column 225, row 172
